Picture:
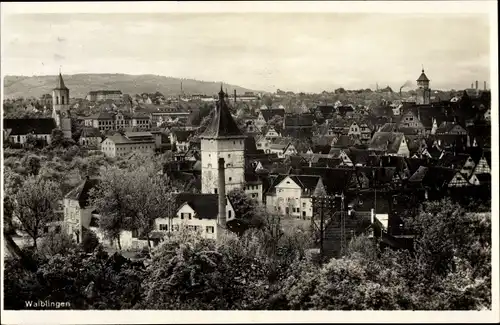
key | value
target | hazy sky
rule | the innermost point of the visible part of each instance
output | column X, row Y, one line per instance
column 264, row 51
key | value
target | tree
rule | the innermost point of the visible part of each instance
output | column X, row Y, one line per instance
column 56, row 138
column 276, row 122
column 57, row 243
column 32, row 164
column 110, row 199
column 35, row 203
column 149, row 198
column 247, row 211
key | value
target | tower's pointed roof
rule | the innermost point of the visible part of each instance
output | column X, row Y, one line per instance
column 423, row 77
column 223, row 124
column 60, row 83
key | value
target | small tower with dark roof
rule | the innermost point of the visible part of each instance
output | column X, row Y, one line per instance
column 60, row 104
column 423, row 90
column 222, row 139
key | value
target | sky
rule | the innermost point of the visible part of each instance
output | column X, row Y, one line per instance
column 308, row 52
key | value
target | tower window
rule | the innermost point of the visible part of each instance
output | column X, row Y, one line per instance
column 57, row 100
column 62, row 100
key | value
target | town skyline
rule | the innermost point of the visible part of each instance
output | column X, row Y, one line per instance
column 255, row 51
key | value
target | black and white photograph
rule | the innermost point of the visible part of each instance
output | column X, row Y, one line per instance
column 253, row 156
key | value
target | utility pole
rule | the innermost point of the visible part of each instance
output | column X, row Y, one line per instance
column 321, row 227
column 343, row 245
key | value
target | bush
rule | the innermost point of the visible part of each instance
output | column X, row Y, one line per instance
column 56, row 243
column 89, row 241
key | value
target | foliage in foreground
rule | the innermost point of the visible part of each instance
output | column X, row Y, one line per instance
column 187, row 272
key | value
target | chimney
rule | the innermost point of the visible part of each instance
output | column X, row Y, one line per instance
column 221, row 222
column 477, row 85
column 235, row 96
column 472, row 86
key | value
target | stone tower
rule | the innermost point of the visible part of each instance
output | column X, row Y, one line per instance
column 423, row 90
column 222, row 139
column 60, row 103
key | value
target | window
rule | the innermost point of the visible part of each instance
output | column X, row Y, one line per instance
column 164, row 226
column 304, row 204
column 229, row 156
column 230, row 178
column 210, row 229
column 229, row 214
column 215, row 191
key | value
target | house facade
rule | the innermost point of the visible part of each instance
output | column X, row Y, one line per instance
column 292, row 196
column 119, row 145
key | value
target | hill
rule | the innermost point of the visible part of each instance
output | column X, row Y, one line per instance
column 81, row 84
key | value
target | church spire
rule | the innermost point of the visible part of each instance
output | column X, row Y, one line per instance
column 221, row 92
column 60, row 82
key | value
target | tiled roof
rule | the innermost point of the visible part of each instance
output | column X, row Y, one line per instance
column 437, row 177
column 268, row 114
column 206, row 206
column 451, row 160
column 359, row 156
column 103, row 115
column 182, row 135
column 335, row 180
column 223, row 124
column 299, row 121
column 89, row 132
column 24, row 126
column 389, row 127
column 419, row 175
column 344, row 141
column 386, row 141
column 81, row 192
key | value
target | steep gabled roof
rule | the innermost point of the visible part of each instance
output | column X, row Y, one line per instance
column 205, row 206
column 81, row 192
column 386, row 141
column 223, row 124
column 60, row 83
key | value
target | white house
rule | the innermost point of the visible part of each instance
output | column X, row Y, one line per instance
column 197, row 213
column 77, row 209
column 292, row 195
column 19, row 130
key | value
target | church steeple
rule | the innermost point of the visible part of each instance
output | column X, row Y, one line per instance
column 60, row 106
column 60, row 83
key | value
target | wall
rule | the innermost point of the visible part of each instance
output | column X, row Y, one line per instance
column 254, row 191
column 108, row 148
column 175, row 224
column 403, row 149
column 22, row 138
column 233, row 153
column 90, row 141
column 289, row 195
